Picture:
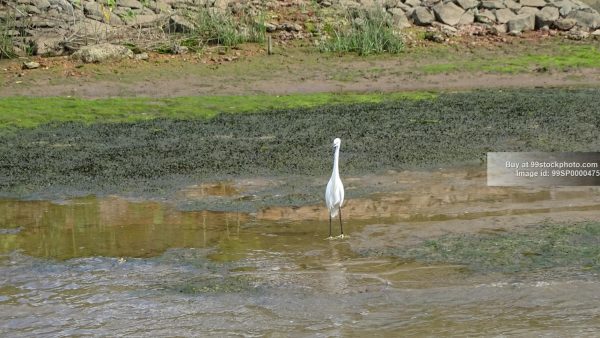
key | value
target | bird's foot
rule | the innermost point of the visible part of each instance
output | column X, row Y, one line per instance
column 342, row 236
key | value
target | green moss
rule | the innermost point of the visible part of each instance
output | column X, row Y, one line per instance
column 25, row 112
column 540, row 247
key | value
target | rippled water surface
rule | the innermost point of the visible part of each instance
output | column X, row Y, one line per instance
column 110, row 266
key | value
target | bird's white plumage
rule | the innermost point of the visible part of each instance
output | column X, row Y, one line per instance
column 334, row 193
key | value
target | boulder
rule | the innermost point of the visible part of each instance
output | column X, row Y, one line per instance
column 130, row 3
column 565, row 24
column 48, row 45
column 485, row 16
column 467, row 18
column 495, row 4
column 30, row 65
column 399, row 18
column 510, row 4
column 546, row 17
column 413, row 3
column 588, row 20
column 448, row 13
column 528, row 10
column 41, row 4
column 102, row 52
column 180, row 24
column 500, row 29
column 93, row 9
column 144, row 20
column 521, row 23
column 466, row 4
column 577, row 34
column 533, row 3
column 504, row 15
column 422, row 16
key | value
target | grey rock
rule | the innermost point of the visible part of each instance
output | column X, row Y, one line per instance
column 528, row 10
column 290, row 27
column 41, row 4
column 48, row 45
column 546, row 16
column 177, row 49
column 399, row 18
column 577, row 34
column 141, row 56
column 446, row 29
column 500, row 29
column 221, row 5
column 388, row 4
column 466, row 4
column 596, row 32
column 448, row 13
column 30, row 65
column 467, row 18
column 510, row 4
column 33, row 10
column 434, row 36
column 144, row 20
column 494, row 4
column 270, row 27
column 405, row 8
column 63, row 5
column 130, row 3
column 422, row 16
column 521, row 23
column 485, row 16
column 102, row 52
column 533, row 3
column 93, row 29
column 179, row 24
column 93, row 9
column 413, row 3
column 564, row 6
column 586, row 19
column 504, row 15
column 565, row 24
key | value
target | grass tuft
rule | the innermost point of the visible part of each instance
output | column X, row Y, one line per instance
column 368, row 32
column 215, row 28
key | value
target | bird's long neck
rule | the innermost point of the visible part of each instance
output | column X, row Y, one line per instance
column 336, row 157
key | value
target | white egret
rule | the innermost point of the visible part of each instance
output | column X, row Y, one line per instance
column 334, row 194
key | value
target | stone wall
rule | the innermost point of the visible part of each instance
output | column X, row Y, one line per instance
column 55, row 27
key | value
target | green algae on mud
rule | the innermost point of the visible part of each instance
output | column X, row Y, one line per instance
column 161, row 155
column 563, row 58
column 544, row 246
column 28, row 112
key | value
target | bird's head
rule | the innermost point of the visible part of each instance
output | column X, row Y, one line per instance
column 336, row 143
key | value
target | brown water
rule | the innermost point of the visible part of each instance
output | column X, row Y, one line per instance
column 109, row 266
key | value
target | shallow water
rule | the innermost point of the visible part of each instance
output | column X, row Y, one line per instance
column 110, row 266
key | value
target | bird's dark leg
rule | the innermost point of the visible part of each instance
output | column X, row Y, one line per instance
column 330, row 225
column 341, row 227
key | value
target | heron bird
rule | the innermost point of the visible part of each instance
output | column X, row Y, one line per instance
column 334, row 194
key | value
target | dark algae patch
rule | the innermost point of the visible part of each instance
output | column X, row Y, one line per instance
column 539, row 247
column 156, row 156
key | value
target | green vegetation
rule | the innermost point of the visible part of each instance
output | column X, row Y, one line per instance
column 27, row 112
column 172, row 148
column 541, row 247
column 6, row 37
column 214, row 28
column 368, row 32
column 565, row 57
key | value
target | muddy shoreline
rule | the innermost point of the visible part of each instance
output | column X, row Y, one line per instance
column 159, row 157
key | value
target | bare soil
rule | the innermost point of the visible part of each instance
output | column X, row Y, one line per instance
column 296, row 69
